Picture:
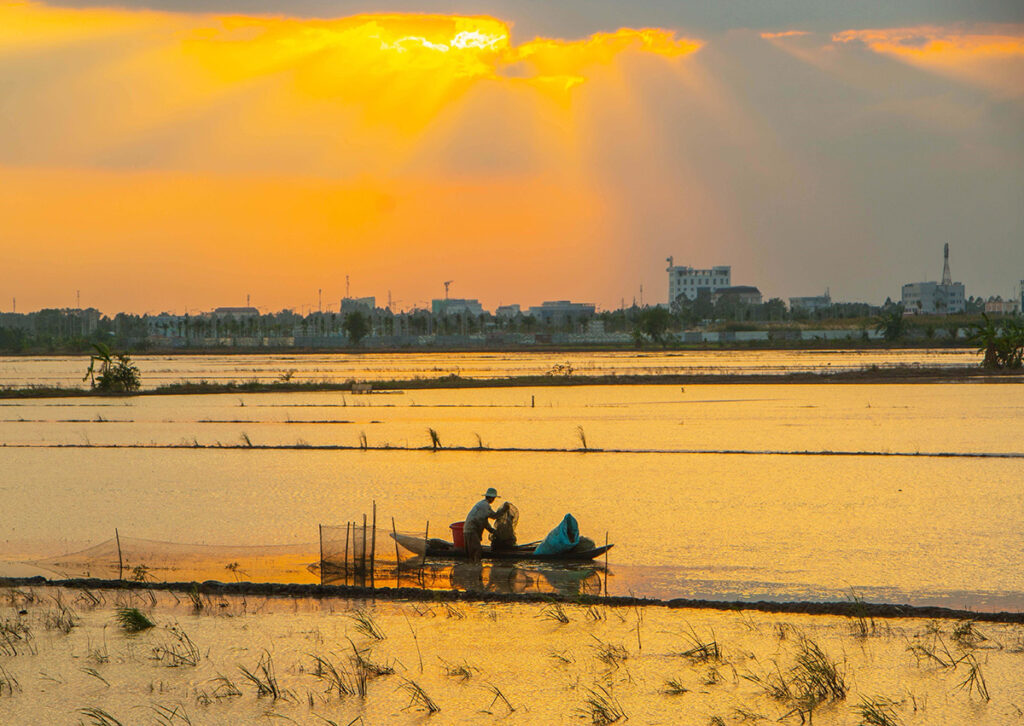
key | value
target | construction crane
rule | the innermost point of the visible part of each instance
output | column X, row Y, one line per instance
column 446, row 284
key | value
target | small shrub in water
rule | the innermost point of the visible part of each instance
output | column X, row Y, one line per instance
column 133, row 620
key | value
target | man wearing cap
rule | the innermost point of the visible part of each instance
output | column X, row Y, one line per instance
column 476, row 523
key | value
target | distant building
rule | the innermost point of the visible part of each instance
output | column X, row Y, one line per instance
column 689, row 281
column 811, row 304
column 935, row 298
column 743, row 294
column 1021, row 308
column 555, row 311
column 365, row 305
column 456, row 306
column 235, row 313
column 997, row 306
column 507, row 311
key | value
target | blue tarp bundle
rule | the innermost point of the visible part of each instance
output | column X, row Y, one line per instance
column 561, row 539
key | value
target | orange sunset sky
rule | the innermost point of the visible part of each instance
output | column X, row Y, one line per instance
column 181, row 156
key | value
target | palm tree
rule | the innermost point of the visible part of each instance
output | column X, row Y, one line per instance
column 891, row 325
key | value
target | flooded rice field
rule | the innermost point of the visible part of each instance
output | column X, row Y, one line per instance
column 67, row 658
column 158, row 370
column 899, row 493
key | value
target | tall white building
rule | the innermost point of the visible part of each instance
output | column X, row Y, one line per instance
column 688, row 281
column 935, row 298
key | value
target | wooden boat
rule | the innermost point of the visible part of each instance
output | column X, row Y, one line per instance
column 441, row 549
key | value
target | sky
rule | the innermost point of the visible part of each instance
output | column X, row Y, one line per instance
column 178, row 155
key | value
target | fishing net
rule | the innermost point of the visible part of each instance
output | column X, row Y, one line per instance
column 145, row 560
column 504, row 535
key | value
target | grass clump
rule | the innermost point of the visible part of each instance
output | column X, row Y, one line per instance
column 601, row 706
column 366, row 625
column 99, row 717
column 700, row 650
column 418, row 698
column 463, row 671
column 435, row 440
column 8, row 683
column 498, row 696
column 132, row 620
column 674, row 687
column 878, row 712
column 177, row 650
column 264, row 678
column 611, row 654
column 814, row 679
column 555, row 612
column 974, row 681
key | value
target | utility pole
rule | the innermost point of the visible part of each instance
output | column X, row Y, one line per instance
column 320, row 299
column 641, row 295
column 346, row 286
column 78, row 299
column 446, row 284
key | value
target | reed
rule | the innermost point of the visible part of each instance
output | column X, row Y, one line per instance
column 167, row 716
column 451, row 611
column 99, row 717
column 555, row 612
column 601, row 706
column 264, row 678
column 435, row 440
column 814, row 679
column 583, row 438
column 562, row 656
column 611, row 654
column 195, row 598
column 8, row 683
column 177, row 650
column 498, row 696
column 340, row 681
column 674, row 687
column 700, row 650
column 366, row 625
column 246, row 440
column 362, row 440
column 132, row 620
column 16, row 637
column 463, row 671
column 967, row 636
column 974, row 681
column 95, row 674
column 418, row 698
column 224, row 687
column 878, row 712
column 863, row 624
column 59, row 617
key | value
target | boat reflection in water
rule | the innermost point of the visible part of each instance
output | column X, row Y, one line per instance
column 505, row 578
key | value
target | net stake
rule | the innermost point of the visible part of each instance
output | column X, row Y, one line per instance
column 398, row 559
column 120, row 561
column 321, row 554
column 362, row 559
column 348, row 525
column 373, row 547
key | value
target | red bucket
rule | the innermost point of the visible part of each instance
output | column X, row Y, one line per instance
column 457, row 538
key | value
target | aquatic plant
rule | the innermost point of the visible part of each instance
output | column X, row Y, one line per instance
column 99, row 717
column 878, row 712
column 601, row 706
column 177, row 650
column 264, row 678
column 95, row 674
column 167, row 716
column 366, row 625
column 498, row 696
column 337, row 680
column 700, row 651
column 8, row 682
column 418, row 698
column 60, row 618
column 583, row 438
column 674, row 687
column 974, row 681
column 435, row 440
column 463, row 671
column 611, row 654
column 132, row 620
column 814, row 679
column 555, row 612
column 966, row 635
column 863, row 625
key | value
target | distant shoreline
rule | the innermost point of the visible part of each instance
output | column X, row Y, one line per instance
column 898, row 374
column 853, row 608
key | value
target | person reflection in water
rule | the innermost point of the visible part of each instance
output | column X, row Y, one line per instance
column 476, row 523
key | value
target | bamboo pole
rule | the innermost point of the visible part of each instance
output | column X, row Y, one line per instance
column 423, row 562
column 362, row 560
column 321, row 553
column 398, row 558
column 606, row 564
column 373, row 546
column 348, row 525
column 120, row 561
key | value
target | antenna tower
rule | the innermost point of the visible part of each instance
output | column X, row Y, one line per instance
column 946, row 277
